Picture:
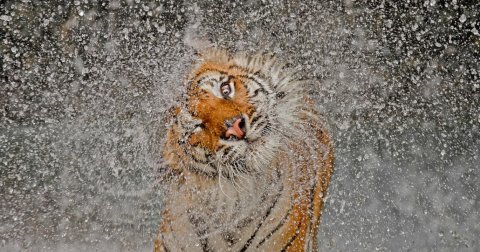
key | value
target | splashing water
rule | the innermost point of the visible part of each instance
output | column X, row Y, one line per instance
column 84, row 86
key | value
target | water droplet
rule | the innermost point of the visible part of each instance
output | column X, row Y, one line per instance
column 162, row 29
column 5, row 18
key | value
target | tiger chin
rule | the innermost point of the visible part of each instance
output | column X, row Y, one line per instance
column 249, row 157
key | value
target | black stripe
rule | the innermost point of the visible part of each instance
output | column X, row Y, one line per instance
column 200, row 232
column 243, row 223
column 209, row 174
column 249, row 241
column 206, row 77
column 227, row 160
column 208, row 70
column 252, row 78
column 266, row 129
column 201, row 79
column 280, row 95
column 255, row 93
column 230, row 238
column 226, row 175
column 269, row 124
column 255, row 119
column 198, row 160
column 227, row 150
column 260, row 124
column 280, row 224
column 202, row 172
column 163, row 243
column 198, row 171
column 240, row 165
column 194, row 158
column 205, row 246
column 290, row 241
column 165, row 247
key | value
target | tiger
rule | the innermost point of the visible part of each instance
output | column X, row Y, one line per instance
column 249, row 158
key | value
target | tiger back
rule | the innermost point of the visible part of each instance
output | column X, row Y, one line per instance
column 251, row 157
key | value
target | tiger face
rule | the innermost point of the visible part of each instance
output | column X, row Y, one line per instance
column 221, row 101
column 234, row 117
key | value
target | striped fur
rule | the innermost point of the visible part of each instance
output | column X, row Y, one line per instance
column 261, row 193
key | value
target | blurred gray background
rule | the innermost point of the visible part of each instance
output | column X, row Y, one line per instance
column 84, row 85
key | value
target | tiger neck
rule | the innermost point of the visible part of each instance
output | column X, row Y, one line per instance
column 241, row 187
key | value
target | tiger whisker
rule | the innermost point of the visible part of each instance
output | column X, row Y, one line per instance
column 220, row 176
column 236, row 185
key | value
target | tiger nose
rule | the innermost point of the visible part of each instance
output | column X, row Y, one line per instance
column 236, row 127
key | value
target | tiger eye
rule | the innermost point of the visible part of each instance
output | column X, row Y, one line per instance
column 225, row 89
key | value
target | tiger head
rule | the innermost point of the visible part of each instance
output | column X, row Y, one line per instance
column 237, row 111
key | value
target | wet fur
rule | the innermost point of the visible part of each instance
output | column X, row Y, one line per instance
column 262, row 193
